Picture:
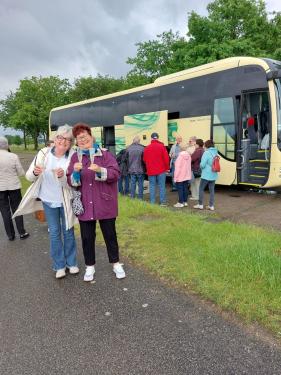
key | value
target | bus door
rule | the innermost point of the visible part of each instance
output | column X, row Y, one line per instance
column 109, row 138
column 253, row 138
column 223, row 133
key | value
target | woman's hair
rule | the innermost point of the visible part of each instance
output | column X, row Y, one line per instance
column 65, row 129
column 136, row 139
column 79, row 128
column 200, row 142
column 183, row 146
column 209, row 143
column 4, row 144
column 49, row 143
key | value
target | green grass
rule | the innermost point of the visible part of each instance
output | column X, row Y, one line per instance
column 25, row 184
column 20, row 148
column 234, row 265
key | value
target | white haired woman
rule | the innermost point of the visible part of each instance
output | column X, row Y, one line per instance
column 10, row 190
column 48, row 172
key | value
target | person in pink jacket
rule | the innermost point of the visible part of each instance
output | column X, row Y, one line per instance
column 182, row 175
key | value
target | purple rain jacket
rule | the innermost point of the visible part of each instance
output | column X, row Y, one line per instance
column 99, row 193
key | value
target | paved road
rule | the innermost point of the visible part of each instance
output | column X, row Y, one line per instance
column 134, row 326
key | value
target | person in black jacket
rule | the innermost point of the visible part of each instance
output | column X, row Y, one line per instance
column 124, row 180
column 136, row 167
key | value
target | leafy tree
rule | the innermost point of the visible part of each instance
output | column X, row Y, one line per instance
column 158, row 57
column 232, row 28
column 17, row 140
column 7, row 111
column 134, row 80
column 28, row 108
column 14, row 139
column 92, row 87
column 9, row 138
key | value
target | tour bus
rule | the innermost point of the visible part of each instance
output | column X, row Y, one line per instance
column 236, row 102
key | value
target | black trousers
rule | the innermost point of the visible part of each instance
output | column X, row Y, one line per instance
column 9, row 201
column 88, row 236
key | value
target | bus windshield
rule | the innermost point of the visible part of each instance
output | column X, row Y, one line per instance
column 277, row 83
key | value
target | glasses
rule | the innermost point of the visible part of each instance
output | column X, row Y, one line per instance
column 83, row 138
column 61, row 138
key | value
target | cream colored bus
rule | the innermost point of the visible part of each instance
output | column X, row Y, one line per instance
column 236, row 102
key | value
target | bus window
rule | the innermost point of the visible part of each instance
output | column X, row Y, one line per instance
column 224, row 127
column 278, row 109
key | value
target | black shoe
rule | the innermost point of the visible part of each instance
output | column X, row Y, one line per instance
column 24, row 236
column 11, row 238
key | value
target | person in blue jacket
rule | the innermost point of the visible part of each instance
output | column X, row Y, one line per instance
column 208, row 177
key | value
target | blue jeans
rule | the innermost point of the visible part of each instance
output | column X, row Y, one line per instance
column 137, row 178
column 63, row 253
column 121, row 181
column 203, row 184
column 182, row 191
column 160, row 180
column 174, row 185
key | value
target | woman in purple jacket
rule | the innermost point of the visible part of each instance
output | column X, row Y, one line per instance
column 95, row 173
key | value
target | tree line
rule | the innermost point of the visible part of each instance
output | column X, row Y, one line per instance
column 231, row 28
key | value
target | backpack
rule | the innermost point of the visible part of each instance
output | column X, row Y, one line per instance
column 216, row 164
column 122, row 160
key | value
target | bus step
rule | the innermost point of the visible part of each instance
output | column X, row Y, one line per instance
column 249, row 184
column 258, row 172
column 258, row 161
column 257, row 176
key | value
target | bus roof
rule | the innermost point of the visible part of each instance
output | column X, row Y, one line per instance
column 213, row 67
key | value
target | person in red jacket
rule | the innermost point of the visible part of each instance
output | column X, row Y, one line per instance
column 156, row 159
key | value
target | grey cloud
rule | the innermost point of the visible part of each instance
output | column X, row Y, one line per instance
column 72, row 39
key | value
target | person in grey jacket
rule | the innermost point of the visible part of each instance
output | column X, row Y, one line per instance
column 174, row 153
column 136, row 167
column 10, row 190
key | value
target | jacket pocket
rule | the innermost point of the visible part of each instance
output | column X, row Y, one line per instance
column 106, row 196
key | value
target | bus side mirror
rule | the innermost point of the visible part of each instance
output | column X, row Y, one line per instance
column 273, row 75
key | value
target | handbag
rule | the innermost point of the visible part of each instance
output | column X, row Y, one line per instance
column 197, row 173
column 77, row 205
column 40, row 215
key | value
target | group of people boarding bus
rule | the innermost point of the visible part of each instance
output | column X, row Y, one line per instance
column 91, row 175
column 190, row 164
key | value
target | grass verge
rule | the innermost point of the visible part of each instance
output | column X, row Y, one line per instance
column 19, row 149
column 234, row 265
column 25, row 184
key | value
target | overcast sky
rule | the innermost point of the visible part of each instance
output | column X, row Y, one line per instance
column 73, row 38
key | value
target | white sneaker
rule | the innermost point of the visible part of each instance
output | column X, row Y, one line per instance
column 212, row 208
column 185, row 204
column 178, row 205
column 193, row 198
column 199, row 206
column 73, row 270
column 60, row 273
column 119, row 270
column 89, row 274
